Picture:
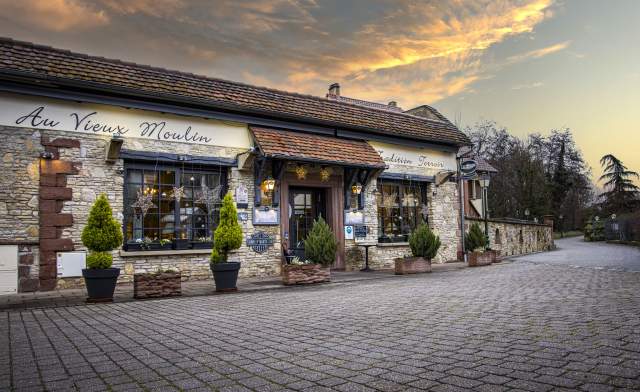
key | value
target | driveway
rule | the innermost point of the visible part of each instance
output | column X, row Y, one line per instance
column 511, row 326
column 578, row 253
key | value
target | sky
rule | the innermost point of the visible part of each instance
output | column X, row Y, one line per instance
column 529, row 65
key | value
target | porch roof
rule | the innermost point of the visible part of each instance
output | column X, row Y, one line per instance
column 305, row 147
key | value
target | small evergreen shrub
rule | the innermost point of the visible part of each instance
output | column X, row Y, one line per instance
column 424, row 243
column 320, row 245
column 99, row 260
column 228, row 234
column 474, row 240
column 101, row 235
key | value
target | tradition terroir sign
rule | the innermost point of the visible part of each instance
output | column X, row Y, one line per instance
column 260, row 241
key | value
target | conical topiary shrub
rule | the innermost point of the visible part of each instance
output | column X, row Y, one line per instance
column 320, row 245
column 424, row 243
column 228, row 234
column 101, row 235
column 474, row 239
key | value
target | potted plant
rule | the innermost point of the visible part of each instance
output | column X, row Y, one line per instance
column 227, row 237
column 161, row 283
column 424, row 247
column 320, row 249
column 162, row 244
column 475, row 244
column 101, row 235
column 202, row 243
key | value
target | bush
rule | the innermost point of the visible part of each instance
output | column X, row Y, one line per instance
column 474, row 239
column 424, row 243
column 101, row 234
column 228, row 234
column 320, row 245
column 99, row 260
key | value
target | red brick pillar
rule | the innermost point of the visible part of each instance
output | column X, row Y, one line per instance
column 53, row 193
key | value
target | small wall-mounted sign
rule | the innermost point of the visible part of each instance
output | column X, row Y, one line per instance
column 243, row 216
column 266, row 216
column 353, row 217
column 468, row 168
column 242, row 196
column 348, row 232
column 260, row 241
column 361, row 231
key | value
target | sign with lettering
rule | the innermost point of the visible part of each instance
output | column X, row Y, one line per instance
column 348, row 232
column 260, row 241
column 96, row 119
column 266, row 216
column 361, row 231
column 353, row 217
column 425, row 159
column 242, row 196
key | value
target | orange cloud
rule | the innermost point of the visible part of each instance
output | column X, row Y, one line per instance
column 534, row 54
column 54, row 15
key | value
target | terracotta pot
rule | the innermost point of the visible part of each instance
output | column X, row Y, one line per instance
column 479, row 259
column 412, row 265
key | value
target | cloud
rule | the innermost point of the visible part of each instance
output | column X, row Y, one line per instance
column 535, row 54
column 411, row 52
column 54, row 15
column 527, row 86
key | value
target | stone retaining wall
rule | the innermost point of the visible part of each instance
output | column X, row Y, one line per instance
column 512, row 238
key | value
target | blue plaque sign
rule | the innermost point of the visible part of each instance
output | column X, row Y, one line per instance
column 260, row 241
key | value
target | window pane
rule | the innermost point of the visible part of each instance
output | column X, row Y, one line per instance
column 150, row 177
column 151, row 234
column 151, row 220
column 167, row 177
column 134, row 176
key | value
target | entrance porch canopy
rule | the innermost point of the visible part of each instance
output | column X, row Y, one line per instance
column 359, row 159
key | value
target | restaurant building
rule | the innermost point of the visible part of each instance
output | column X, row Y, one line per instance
column 164, row 146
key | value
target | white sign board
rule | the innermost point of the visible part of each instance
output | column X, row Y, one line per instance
column 348, row 233
column 242, row 194
column 415, row 157
column 95, row 119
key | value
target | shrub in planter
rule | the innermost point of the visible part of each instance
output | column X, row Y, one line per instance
column 320, row 249
column 475, row 243
column 424, row 247
column 101, row 235
column 227, row 237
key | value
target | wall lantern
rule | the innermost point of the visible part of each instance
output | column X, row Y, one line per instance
column 269, row 184
column 356, row 188
column 113, row 148
column 613, row 216
column 301, row 172
column 484, row 182
column 46, row 155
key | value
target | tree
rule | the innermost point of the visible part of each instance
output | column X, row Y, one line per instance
column 621, row 193
column 101, row 234
column 228, row 234
column 474, row 239
column 424, row 243
column 320, row 245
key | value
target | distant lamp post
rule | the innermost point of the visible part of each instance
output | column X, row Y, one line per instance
column 484, row 183
column 561, row 218
column 526, row 214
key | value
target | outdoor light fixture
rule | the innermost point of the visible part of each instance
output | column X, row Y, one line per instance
column 526, row 212
column 112, row 152
column 356, row 188
column 46, row 155
column 269, row 184
column 301, row 172
column 484, row 182
column 613, row 216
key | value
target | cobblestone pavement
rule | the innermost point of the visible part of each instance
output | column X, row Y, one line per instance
column 518, row 326
column 578, row 253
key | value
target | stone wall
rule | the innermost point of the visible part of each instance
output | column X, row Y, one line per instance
column 512, row 238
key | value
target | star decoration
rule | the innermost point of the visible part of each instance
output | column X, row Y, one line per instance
column 144, row 202
column 178, row 193
column 209, row 196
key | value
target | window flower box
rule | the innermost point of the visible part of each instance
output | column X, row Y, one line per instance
column 157, row 284
column 293, row 274
column 201, row 245
column 412, row 265
column 181, row 244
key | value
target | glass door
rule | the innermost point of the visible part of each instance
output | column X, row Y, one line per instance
column 305, row 206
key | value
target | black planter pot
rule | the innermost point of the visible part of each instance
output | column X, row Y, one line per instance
column 225, row 276
column 101, row 283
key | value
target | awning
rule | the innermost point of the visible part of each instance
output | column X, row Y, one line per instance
column 305, row 147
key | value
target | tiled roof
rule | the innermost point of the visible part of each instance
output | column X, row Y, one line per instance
column 68, row 70
column 308, row 147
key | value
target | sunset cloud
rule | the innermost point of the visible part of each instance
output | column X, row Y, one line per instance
column 534, row 54
column 54, row 15
column 411, row 52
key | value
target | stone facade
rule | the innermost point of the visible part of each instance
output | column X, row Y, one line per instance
column 511, row 238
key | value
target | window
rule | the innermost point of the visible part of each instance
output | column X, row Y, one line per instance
column 190, row 218
column 401, row 208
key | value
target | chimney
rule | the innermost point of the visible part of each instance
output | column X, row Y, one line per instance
column 334, row 90
column 393, row 104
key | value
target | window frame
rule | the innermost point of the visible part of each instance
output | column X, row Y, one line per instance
column 402, row 185
column 178, row 169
